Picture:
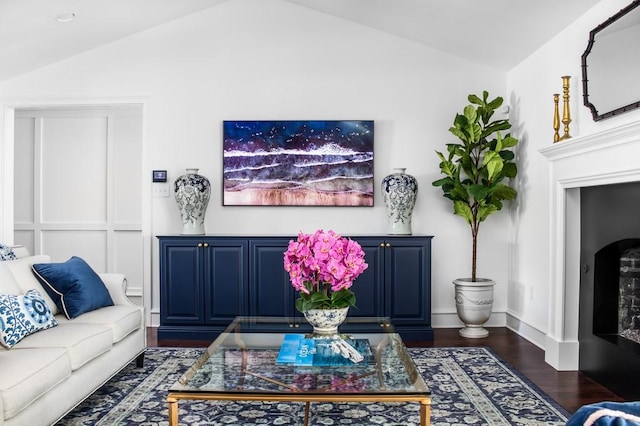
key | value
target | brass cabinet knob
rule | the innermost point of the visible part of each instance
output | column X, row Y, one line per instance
column 382, row 245
column 388, row 245
column 199, row 244
column 206, row 244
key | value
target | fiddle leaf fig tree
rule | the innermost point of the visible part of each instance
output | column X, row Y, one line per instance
column 476, row 170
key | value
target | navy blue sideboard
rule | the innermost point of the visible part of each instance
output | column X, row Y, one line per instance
column 206, row 281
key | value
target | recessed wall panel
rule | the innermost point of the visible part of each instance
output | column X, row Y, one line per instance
column 89, row 245
column 128, row 174
column 129, row 259
column 24, row 149
column 25, row 238
column 74, row 169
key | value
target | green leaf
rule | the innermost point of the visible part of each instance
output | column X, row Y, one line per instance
column 504, row 192
column 485, row 211
column 495, row 127
column 493, row 163
column 458, row 193
column 507, row 155
column 475, row 131
column 459, row 133
column 442, row 182
column 509, row 141
column 479, row 192
column 495, row 104
column 462, row 209
column 474, row 100
column 471, row 114
column 510, row 170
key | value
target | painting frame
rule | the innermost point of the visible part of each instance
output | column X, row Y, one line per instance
column 298, row 163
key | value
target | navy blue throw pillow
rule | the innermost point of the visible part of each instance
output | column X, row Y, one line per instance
column 73, row 285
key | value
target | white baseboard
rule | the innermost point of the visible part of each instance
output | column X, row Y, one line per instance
column 532, row 334
column 154, row 319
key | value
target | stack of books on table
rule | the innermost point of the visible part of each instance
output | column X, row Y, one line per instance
column 299, row 350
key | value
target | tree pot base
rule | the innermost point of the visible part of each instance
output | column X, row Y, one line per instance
column 472, row 332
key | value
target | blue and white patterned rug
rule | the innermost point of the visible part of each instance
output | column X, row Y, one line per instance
column 469, row 386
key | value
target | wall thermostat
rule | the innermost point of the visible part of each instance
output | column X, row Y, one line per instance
column 159, row 175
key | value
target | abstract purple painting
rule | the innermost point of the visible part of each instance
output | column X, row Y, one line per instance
column 298, row 163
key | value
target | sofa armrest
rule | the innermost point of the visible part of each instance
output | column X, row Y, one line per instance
column 117, row 286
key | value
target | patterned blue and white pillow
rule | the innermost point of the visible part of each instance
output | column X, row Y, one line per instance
column 21, row 315
column 6, row 253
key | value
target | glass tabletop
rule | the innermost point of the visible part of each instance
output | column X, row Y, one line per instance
column 270, row 355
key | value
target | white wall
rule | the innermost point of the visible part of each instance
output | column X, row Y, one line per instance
column 269, row 59
column 530, row 88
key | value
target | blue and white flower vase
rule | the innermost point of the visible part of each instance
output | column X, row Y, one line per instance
column 399, row 191
column 325, row 322
column 192, row 192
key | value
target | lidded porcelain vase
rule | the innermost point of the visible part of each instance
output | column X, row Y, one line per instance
column 192, row 192
column 399, row 191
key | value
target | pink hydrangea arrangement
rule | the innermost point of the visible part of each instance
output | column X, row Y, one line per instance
column 322, row 267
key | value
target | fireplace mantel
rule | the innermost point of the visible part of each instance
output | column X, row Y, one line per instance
column 604, row 158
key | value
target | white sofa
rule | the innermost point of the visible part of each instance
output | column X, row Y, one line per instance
column 48, row 373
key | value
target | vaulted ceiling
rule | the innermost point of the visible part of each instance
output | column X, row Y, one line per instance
column 499, row 33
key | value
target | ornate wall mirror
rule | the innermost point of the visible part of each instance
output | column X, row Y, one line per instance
column 610, row 65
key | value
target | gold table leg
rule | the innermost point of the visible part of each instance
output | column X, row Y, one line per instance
column 425, row 413
column 173, row 411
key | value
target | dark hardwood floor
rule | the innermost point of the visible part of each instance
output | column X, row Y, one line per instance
column 571, row 389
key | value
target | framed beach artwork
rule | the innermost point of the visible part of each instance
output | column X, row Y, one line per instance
column 298, row 163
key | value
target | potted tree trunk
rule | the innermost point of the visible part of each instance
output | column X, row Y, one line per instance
column 476, row 173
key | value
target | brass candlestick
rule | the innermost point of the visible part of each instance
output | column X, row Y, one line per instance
column 566, row 115
column 556, row 118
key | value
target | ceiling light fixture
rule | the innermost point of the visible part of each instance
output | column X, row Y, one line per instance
column 66, row 17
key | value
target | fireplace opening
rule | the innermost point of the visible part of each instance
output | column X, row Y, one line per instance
column 609, row 305
column 616, row 294
column 629, row 295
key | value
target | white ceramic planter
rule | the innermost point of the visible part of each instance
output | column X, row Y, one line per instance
column 474, row 300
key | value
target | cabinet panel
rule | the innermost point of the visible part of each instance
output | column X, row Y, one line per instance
column 180, row 277
column 368, row 287
column 270, row 293
column 225, row 280
column 407, row 273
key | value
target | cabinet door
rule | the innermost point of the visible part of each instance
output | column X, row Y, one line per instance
column 225, row 279
column 181, row 282
column 270, row 291
column 407, row 279
column 368, row 287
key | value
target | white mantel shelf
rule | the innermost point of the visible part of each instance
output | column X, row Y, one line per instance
column 620, row 135
column 608, row 157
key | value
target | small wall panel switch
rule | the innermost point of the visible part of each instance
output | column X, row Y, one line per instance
column 161, row 190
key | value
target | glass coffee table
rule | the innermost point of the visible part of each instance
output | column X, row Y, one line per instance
column 245, row 363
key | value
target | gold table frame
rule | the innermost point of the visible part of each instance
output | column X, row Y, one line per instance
column 424, row 399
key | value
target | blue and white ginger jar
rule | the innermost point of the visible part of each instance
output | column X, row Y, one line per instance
column 192, row 192
column 399, row 191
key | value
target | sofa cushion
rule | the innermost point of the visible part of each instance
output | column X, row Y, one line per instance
column 73, row 285
column 8, row 284
column 83, row 342
column 121, row 319
column 27, row 374
column 24, row 278
column 23, row 315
